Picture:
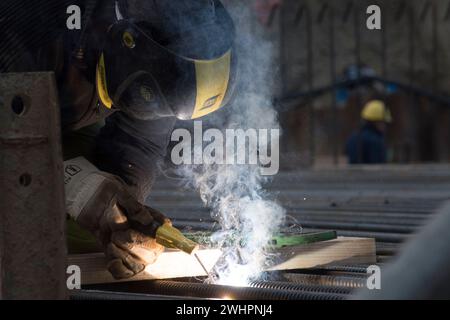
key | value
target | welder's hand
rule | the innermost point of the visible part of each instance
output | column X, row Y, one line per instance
column 101, row 203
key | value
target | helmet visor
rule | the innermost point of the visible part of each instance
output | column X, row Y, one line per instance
column 188, row 84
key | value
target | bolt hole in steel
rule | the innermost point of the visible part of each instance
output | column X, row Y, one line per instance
column 25, row 179
column 18, row 105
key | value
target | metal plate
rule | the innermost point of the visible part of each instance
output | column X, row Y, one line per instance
column 32, row 207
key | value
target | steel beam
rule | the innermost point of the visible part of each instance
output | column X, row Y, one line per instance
column 32, row 208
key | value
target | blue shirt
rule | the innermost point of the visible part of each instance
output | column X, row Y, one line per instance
column 366, row 146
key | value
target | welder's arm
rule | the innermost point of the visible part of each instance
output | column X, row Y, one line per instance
column 101, row 203
column 132, row 149
column 107, row 197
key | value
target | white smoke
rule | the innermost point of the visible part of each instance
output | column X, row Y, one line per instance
column 247, row 217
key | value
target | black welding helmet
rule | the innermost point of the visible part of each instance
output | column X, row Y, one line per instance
column 168, row 58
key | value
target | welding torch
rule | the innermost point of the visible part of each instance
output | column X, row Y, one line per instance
column 170, row 237
column 165, row 234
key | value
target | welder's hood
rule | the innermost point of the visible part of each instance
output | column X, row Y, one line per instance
column 167, row 57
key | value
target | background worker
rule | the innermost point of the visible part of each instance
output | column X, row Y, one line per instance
column 367, row 146
column 139, row 65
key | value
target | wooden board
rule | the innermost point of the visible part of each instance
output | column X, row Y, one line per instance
column 171, row 264
column 343, row 250
column 176, row 264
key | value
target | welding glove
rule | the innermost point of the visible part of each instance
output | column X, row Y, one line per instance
column 100, row 202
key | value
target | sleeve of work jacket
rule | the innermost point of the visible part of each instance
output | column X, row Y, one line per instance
column 133, row 149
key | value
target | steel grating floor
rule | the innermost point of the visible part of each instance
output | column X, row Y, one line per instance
column 387, row 203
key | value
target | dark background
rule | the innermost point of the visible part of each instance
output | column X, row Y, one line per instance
column 317, row 41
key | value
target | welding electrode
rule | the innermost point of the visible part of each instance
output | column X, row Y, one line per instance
column 171, row 237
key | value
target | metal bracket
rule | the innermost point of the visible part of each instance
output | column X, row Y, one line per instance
column 32, row 208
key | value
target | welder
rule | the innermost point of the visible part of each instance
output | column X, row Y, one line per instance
column 123, row 80
column 367, row 146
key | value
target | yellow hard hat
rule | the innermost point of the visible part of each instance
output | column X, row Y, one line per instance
column 376, row 110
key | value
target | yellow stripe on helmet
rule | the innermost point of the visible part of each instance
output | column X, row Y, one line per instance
column 101, row 83
column 212, row 84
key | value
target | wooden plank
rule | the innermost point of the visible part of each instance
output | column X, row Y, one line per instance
column 171, row 264
column 343, row 250
column 176, row 264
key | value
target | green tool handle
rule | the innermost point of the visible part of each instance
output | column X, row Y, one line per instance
column 278, row 241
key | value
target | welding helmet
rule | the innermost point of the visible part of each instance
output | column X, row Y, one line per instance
column 168, row 58
column 376, row 110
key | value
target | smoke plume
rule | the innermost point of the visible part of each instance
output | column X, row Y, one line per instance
column 247, row 216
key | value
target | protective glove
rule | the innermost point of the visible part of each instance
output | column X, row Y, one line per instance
column 100, row 202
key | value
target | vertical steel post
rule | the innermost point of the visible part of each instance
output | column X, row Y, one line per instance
column 412, row 96
column 357, row 35
column 434, row 66
column 304, row 13
column 32, row 208
column 333, row 75
column 282, row 47
column 384, row 33
column 446, row 19
column 310, row 57
column 435, row 45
